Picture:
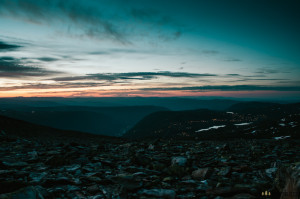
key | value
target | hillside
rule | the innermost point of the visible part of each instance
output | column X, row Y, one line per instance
column 111, row 121
column 267, row 121
column 11, row 128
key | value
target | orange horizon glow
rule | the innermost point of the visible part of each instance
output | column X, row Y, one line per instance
column 141, row 93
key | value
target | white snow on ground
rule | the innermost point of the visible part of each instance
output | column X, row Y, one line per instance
column 292, row 124
column 281, row 137
column 230, row 112
column 212, row 127
column 242, row 124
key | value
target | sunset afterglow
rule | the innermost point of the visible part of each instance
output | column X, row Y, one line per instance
column 149, row 48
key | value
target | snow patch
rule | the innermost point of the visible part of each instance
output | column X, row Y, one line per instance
column 212, row 127
column 230, row 112
column 242, row 124
column 281, row 137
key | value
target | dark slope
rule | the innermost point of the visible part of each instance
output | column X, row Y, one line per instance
column 112, row 121
column 10, row 127
column 271, row 110
column 250, row 106
column 247, row 121
column 169, row 124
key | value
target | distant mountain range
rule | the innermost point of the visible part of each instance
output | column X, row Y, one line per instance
column 242, row 120
column 104, row 116
column 172, row 103
column 171, row 118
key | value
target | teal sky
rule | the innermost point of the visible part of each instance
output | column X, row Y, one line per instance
column 230, row 48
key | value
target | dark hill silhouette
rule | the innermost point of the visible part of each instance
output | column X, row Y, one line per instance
column 14, row 128
column 112, row 121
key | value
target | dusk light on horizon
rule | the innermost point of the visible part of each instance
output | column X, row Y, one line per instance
column 127, row 48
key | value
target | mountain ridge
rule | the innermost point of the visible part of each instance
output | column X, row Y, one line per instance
column 267, row 121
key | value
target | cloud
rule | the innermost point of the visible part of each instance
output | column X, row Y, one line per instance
column 47, row 59
column 234, row 75
column 156, row 19
column 153, row 16
column 267, row 71
column 80, row 14
column 7, row 58
column 230, row 88
column 233, row 60
column 120, row 50
column 259, row 79
column 93, row 19
column 210, row 52
column 113, row 51
column 13, row 68
column 53, row 86
column 133, row 76
column 7, row 47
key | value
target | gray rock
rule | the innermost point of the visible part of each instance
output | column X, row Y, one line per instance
column 93, row 189
column 73, row 168
column 16, row 164
column 201, row 173
column 243, row 196
column 128, row 181
column 180, row 161
column 165, row 193
column 224, row 171
column 271, row 172
column 37, row 177
column 27, row 192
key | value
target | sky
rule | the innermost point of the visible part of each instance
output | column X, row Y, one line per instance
column 150, row 48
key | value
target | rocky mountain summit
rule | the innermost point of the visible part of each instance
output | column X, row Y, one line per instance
column 53, row 168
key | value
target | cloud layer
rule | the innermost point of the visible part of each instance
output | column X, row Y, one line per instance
column 230, row 88
column 11, row 67
column 7, row 47
column 133, row 76
column 88, row 18
column 86, row 46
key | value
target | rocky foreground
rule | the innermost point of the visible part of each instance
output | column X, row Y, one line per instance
column 154, row 169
